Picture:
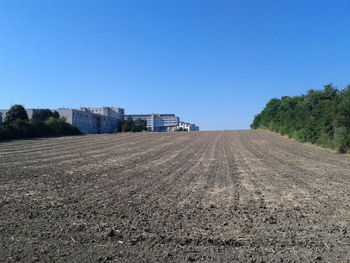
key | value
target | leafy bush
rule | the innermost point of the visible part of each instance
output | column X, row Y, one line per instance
column 21, row 128
column 6, row 132
column 320, row 116
column 342, row 139
column 140, row 125
column 45, row 114
column 39, row 129
column 58, row 127
column 130, row 125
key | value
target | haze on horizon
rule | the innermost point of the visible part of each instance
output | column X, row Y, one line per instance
column 213, row 63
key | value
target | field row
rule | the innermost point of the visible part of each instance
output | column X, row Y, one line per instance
column 246, row 196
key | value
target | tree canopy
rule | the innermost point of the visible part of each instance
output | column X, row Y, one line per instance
column 320, row 116
column 44, row 114
column 14, row 113
column 131, row 125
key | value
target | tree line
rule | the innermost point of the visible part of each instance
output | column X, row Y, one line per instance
column 131, row 125
column 321, row 117
column 16, row 124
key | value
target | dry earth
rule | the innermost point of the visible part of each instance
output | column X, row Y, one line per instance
column 223, row 196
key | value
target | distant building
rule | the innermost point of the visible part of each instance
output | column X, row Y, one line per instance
column 109, row 119
column 108, row 111
column 185, row 126
column 157, row 122
column 87, row 120
column 94, row 120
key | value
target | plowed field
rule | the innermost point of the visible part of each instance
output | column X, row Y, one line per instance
column 221, row 196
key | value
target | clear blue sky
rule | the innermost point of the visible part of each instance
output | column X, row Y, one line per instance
column 215, row 63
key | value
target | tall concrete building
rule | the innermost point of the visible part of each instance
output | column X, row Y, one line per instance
column 108, row 111
column 157, row 122
column 94, row 120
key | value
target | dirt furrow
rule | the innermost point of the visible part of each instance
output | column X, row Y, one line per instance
column 221, row 196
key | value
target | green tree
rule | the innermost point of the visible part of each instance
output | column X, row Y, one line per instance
column 6, row 132
column 59, row 127
column 21, row 129
column 320, row 116
column 44, row 114
column 128, row 125
column 140, row 125
column 14, row 113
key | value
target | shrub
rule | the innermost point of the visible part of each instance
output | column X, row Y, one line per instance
column 316, row 117
column 342, row 140
column 39, row 129
column 58, row 127
column 131, row 125
column 21, row 128
column 6, row 132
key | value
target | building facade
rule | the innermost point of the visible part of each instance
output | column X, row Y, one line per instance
column 157, row 122
column 87, row 120
column 109, row 119
column 94, row 120
column 117, row 113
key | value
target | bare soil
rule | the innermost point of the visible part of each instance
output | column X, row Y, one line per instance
column 221, row 196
